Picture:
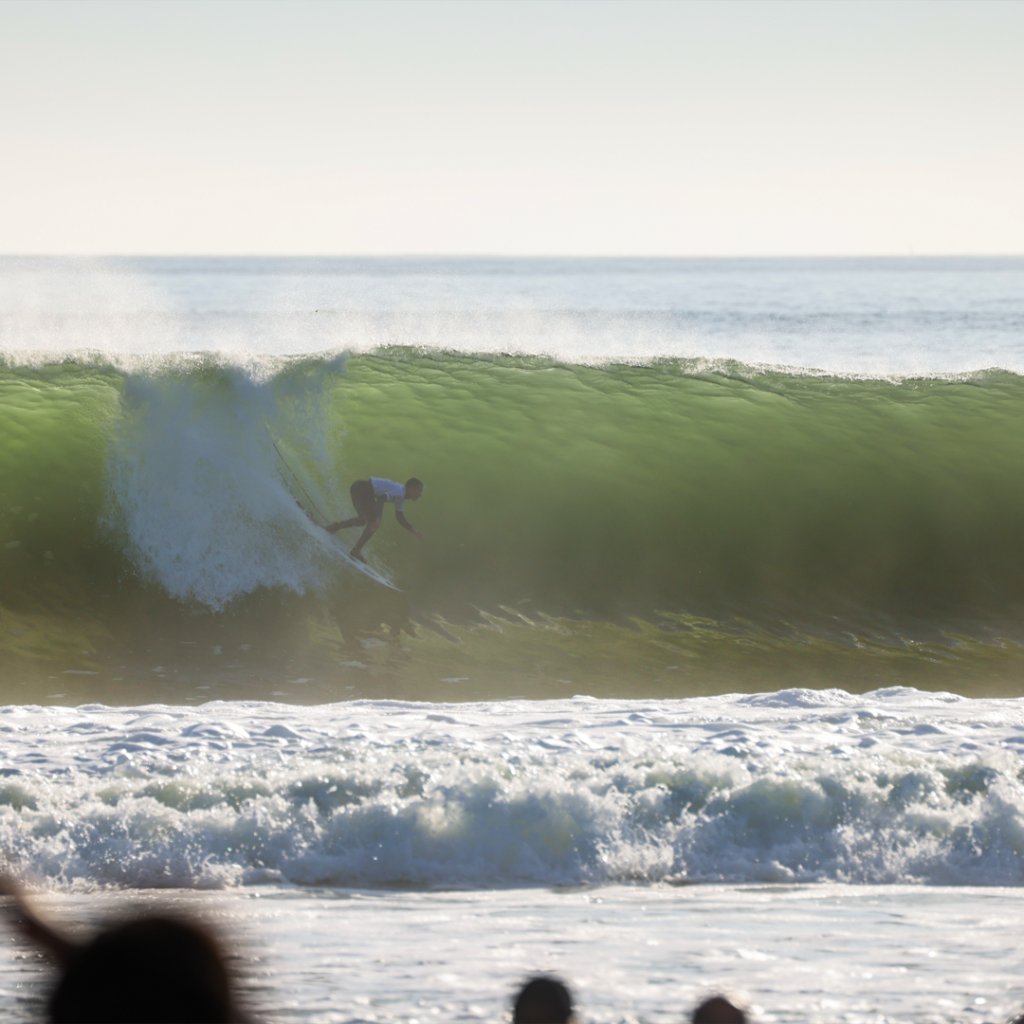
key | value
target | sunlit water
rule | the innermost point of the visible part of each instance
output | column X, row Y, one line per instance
column 823, row 855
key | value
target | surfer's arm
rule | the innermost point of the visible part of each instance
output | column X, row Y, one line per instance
column 402, row 521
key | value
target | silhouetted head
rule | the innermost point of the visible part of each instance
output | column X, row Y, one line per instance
column 150, row 969
column 413, row 488
column 543, row 1000
column 153, row 968
column 718, row 1010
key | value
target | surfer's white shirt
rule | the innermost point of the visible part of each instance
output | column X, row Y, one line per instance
column 389, row 491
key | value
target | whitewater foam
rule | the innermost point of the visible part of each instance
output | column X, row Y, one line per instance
column 892, row 787
column 196, row 486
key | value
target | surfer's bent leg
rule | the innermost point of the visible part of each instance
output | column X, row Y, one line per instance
column 371, row 529
column 364, row 502
column 335, row 527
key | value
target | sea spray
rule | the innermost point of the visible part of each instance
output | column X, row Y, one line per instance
column 196, row 489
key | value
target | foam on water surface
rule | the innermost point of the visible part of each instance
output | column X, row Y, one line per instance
column 892, row 787
column 825, row 952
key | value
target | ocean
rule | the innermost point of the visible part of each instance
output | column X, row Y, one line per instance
column 706, row 674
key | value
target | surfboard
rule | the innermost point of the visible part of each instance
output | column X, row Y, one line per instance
column 305, row 502
column 366, row 570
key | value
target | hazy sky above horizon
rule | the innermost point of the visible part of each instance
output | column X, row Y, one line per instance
column 489, row 126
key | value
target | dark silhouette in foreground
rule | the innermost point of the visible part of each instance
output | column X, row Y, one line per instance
column 543, row 1000
column 718, row 1010
column 155, row 968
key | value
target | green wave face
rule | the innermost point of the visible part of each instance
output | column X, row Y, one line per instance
column 667, row 529
column 53, row 424
column 629, row 490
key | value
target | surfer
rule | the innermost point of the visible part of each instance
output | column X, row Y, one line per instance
column 369, row 497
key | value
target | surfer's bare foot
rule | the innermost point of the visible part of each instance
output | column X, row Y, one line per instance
column 358, row 555
column 332, row 527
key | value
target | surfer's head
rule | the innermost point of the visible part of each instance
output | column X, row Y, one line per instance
column 413, row 488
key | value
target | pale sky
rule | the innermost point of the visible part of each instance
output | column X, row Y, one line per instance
column 527, row 127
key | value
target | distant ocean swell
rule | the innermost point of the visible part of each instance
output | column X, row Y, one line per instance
column 794, row 787
column 682, row 508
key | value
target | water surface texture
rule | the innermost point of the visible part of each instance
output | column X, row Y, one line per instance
column 763, row 473
column 708, row 670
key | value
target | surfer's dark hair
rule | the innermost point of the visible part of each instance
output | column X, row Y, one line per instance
column 413, row 482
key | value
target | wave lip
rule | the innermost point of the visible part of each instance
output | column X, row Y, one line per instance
column 896, row 786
